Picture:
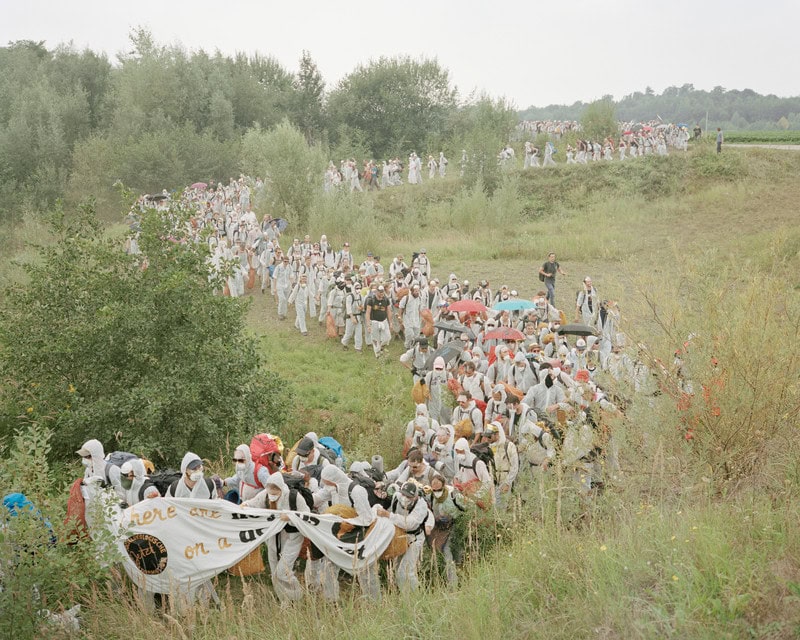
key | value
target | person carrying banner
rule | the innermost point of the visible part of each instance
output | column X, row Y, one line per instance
column 283, row 548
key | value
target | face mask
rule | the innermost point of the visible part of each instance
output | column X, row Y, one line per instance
column 461, row 458
column 241, row 466
column 556, row 327
column 86, row 462
column 274, row 497
column 404, row 501
column 438, row 494
column 196, row 476
column 126, row 482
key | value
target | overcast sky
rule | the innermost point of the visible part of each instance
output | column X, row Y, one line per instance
column 533, row 52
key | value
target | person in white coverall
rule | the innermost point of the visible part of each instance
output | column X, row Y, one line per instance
column 410, row 513
column 283, row 549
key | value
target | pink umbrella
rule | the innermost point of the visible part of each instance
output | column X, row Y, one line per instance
column 504, row 333
column 199, row 185
column 467, row 306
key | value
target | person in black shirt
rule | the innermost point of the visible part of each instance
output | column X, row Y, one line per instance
column 379, row 318
column 547, row 274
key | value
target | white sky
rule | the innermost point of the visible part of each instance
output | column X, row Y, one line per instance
column 533, row 52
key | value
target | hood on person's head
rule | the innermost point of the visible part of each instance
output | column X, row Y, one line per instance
column 461, row 446
column 243, row 453
column 580, row 344
column 190, row 461
column 438, row 363
column 93, row 448
column 314, row 437
column 422, row 410
column 332, row 473
column 17, row 503
column 135, row 465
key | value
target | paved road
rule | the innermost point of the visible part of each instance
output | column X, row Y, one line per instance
column 783, row 147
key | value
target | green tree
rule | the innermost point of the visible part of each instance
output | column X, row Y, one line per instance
column 599, row 120
column 307, row 109
column 396, row 102
column 137, row 353
column 291, row 168
column 481, row 128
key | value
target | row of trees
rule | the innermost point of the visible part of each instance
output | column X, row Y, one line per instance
column 730, row 109
column 72, row 123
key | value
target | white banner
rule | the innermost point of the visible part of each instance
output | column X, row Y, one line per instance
column 169, row 543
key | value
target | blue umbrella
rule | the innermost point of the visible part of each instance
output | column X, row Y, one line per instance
column 513, row 305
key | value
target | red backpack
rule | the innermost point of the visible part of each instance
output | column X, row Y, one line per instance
column 262, row 448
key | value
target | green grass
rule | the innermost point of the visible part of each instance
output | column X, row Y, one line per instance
column 763, row 137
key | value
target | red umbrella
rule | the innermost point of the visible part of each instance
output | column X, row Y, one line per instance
column 504, row 333
column 467, row 306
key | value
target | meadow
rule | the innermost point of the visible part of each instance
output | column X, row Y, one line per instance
column 693, row 538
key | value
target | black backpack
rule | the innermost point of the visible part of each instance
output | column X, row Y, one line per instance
column 164, row 479
column 483, row 452
column 147, row 484
column 297, row 485
column 369, row 485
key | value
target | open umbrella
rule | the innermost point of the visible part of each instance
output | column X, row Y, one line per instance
column 576, row 329
column 158, row 196
column 455, row 327
column 504, row 333
column 513, row 305
column 448, row 351
column 467, row 306
column 199, row 185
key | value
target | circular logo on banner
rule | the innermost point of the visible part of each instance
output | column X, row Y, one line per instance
column 147, row 552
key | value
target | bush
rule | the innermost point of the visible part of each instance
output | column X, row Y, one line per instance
column 144, row 358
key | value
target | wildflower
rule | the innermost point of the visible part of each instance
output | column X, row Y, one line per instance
column 29, row 409
column 71, row 388
column 674, row 578
column 672, row 538
column 603, row 547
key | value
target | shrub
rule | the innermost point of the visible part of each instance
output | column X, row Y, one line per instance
column 142, row 358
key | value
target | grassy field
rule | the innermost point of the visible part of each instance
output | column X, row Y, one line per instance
column 763, row 137
column 667, row 551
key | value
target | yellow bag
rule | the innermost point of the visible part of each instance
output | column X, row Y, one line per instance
column 420, row 393
column 427, row 323
column 330, row 326
column 463, row 429
column 250, row 565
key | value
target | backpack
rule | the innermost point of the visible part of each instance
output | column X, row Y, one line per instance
column 313, row 471
column 541, row 277
column 147, row 484
column 296, row 486
column 369, row 485
column 164, row 479
column 117, row 459
column 331, row 449
column 482, row 452
column 262, row 446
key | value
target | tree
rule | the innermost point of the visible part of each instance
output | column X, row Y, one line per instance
column 599, row 120
column 307, row 102
column 291, row 168
column 139, row 355
column 481, row 128
column 396, row 102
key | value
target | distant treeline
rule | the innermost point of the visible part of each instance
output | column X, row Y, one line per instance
column 729, row 109
column 72, row 123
